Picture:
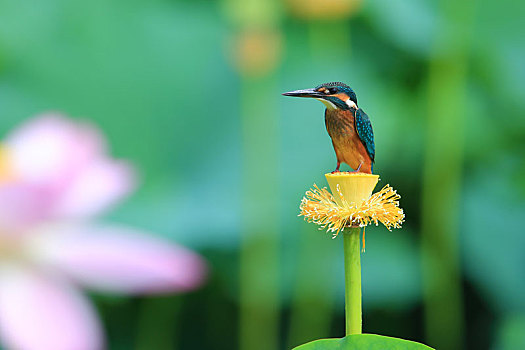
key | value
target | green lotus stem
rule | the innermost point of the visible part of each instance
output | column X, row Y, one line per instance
column 352, row 255
column 352, row 188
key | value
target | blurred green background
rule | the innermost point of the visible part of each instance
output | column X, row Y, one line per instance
column 190, row 92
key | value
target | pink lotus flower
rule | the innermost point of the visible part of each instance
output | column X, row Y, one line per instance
column 55, row 176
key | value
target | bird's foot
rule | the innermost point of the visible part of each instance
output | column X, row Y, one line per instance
column 336, row 168
column 358, row 169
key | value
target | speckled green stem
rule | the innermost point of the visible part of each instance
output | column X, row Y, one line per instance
column 352, row 254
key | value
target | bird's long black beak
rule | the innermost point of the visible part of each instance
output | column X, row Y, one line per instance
column 304, row 93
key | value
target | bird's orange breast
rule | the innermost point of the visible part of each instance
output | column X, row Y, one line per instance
column 348, row 147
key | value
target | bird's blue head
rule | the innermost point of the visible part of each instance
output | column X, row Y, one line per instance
column 333, row 95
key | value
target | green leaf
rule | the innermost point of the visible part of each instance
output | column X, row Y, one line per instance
column 363, row 341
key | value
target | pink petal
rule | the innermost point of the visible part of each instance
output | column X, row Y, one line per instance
column 99, row 186
column 38, row 312
column 21, row 206
column 124, row 260
column 50, row 149
column 65, row 163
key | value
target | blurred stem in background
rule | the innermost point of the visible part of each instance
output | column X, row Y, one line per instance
column 313, row 296
column 256, row 54
column 259, row 274
column 442, row 174
column 332, row 37
column 314, row 291
column 157, row 323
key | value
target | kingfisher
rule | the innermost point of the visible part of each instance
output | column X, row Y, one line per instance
column 348, row 125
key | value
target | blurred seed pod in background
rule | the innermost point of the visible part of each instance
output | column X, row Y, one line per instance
column 256, row 52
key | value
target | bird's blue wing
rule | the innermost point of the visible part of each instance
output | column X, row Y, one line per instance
column 365, row 132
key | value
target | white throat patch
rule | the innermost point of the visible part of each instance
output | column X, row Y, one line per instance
column 351, row 104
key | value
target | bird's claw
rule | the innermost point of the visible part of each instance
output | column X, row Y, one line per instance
column 358, row 168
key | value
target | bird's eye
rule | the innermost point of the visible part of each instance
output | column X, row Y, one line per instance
column 331, row 91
